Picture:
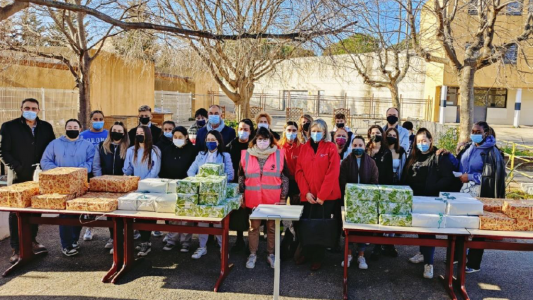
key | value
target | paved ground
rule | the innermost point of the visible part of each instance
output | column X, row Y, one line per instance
column 172, row 275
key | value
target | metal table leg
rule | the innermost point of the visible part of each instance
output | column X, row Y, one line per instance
column 25, row 243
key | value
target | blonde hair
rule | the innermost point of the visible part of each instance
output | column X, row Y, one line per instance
column 284, row 140
column 262, row 114
column 124, row 142
column 301, row 136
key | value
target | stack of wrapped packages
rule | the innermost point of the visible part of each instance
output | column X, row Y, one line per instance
column 207, row 195
column 449, row 210
column 153, row 195
column 378, row 204
column 18, row 195
column 507, row 215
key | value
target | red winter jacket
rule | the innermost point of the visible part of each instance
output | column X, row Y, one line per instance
column 318, row 173
column 291, row 153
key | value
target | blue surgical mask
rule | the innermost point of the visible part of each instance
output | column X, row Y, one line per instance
column 264, row 125
column 214, row 119
column 317, row 136
column 291, row 136
column 358, row 151
column 211, row 145
column 476, row 138
column 423, row 147
column 98, row 125
column 29, row 115
column 244, row 135
column 167, row 134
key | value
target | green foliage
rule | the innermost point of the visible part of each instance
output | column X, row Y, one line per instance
column 517, row 194
column 508, row 149
column 232, row 123
column 448, row 140
column 357, row 43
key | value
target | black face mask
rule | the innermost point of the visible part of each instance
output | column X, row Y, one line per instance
column 306, row 127
column 200, row 123
column 144, row 120
column 340, row 125
column 140, row 138
column 72, row 134
column 391, row 140
column 392, row 120
column 376, row 138
column 117, row 136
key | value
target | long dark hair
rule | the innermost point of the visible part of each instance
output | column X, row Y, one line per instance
column 252, row 129
column 397, row 145
column 221, row 147
column 264, row 133
column 370, row 145
column 148, row 146
column 415, row 152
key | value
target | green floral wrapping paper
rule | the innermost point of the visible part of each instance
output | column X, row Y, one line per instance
column 210, row 199
column 394, row 208
column 189, row 185
column 213, row 185
column 362, row 192
column 187, row 200
column 234, row 202
column 396, row 220
column 396, row 193
column 232, row 190
column 361, row 212
column 203, row 211
column 209, row 169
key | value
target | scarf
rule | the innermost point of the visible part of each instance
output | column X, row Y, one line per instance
column 261, row 154
column 219, row 128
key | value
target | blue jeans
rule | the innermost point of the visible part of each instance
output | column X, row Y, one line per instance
column 428, row 252
column 69, row 234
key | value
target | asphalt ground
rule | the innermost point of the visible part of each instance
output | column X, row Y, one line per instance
column 174, row 275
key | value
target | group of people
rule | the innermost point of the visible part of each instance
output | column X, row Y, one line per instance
column 306, row 165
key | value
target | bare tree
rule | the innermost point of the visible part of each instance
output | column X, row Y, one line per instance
column 470, row 35
column 9, row 9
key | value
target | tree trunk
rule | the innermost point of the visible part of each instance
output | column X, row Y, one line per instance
column 394, row 93
column 84, row 87
column 466, row 92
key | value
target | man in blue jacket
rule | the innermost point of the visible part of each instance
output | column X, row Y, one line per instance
column 393, row 120
column 215, row 122
column 22, row 143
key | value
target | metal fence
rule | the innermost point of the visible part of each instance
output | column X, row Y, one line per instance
column 179, row 104
column 57, row 106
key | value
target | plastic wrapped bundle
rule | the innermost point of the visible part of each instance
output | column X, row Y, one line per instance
column 234, row 203
column 428, row 205
column 210, row 199
column 157, row 185
column 114, row 184
column 187, row 200
column 51, row 201
column 210, row 169
column 18, row 195
column 464, row 207
column 396, row 193
column 395, row 220
column 456, row 196
column 394, row 208
column 189, row 185
column 128, row 202
column 362, row 212
column 361, row 192
column 468, row 222
column 429, row 220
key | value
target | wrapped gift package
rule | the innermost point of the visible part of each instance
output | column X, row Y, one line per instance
column 429, row 220
column 187, row 200
column 518, row 209
column 50, row 201
column 92, row 204
column 213, row 185
column 145, row 203
column 203, row 211
column 524, row 224
column 394, row 208
column 232, row 190
column 492, row 204
column 496, row 221
column 395, row 220
column 464, row 207
column 189, row 185
column 456, row 196
column 114, row 184
column 362, row 192
column 18, row 195
column 165, row 203
column 396, row 193
column 468, row 222
column 129, row 201
column 210, row 199
column 362, row 212
column 234, row 203
column 65, row 181
column 428, row 205
column 210, row 169
column 157, row 185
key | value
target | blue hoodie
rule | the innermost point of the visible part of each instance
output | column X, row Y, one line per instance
column 63, row 152
column 472, row 162
column 140, row 168
column 201, row 159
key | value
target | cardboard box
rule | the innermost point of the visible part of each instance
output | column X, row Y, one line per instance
column 65, row 181
column 18, row 195
column 114, row 184
column 50, row 201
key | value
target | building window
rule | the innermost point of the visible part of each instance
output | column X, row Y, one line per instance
column 515, row 8
column 452, row 96
column 485, row 97
column 509, row 58
column 472, row 7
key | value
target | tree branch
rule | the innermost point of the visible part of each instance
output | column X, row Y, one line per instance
column 11, row 9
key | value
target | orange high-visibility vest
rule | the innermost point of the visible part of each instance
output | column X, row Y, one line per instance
column 262, row 188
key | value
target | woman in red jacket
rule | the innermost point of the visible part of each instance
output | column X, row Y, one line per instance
column 290, row 146
column 317, row 175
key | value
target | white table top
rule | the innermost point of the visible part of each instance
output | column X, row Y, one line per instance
column 279, row 212
column 505, row 234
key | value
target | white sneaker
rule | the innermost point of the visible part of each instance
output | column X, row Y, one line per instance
column 417, row 259
column 199, row 253
column 169, row 247
column 184, row 248
column 362, row 263
column 88, row 236
column 428, row 271
column 250, row 263
column 271, row 260
column 111, row 251
column 165, row 239
column 109, row 244
column 136, row 235
column 350, row 258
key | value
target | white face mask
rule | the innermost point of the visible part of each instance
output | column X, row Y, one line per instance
column 263, row 144
column 179, row 142
column 264, row 125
